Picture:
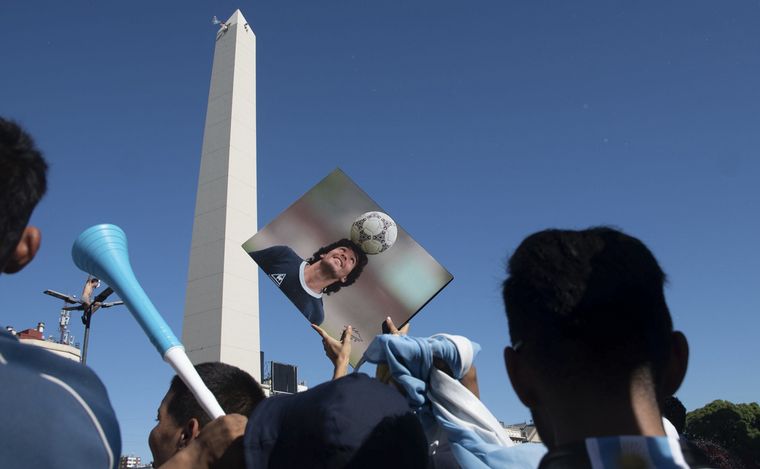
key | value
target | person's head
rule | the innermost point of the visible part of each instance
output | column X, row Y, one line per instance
column 587, row 314
column 181, row 418
column 343, row 260
column 674, row 410
column 22, row 184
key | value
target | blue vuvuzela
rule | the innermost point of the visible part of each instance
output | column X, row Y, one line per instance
column 101, row 250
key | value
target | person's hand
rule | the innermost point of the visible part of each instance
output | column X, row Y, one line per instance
column 338, row 351
column 392, row 329
column 219, row 444
column 382, row 372
column 222, row 440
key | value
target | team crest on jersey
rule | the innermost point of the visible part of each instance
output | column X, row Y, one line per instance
column 277, row 278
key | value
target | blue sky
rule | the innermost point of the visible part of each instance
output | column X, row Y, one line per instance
column 473, row 124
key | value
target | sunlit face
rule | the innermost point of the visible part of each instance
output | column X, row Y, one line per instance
column 166, row 437
column 340, row 261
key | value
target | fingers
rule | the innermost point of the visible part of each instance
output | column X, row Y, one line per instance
column 391, row 327
column 326, row 341
column 320, row 331
column 346, row 338
column 343, row 353
column 394, row 330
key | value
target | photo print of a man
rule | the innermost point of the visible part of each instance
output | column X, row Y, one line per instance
column 399, row 280
column 329, row 269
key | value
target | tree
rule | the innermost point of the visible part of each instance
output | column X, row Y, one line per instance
column 736, row 427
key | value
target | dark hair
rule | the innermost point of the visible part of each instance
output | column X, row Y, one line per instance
column 22, row 184
column 588, row 303
column 361, row 261
column 674, row 410
column 235, row 390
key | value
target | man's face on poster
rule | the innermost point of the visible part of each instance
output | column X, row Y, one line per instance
column 339, row 262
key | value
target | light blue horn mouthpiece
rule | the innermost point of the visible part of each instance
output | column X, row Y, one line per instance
column 101, row 250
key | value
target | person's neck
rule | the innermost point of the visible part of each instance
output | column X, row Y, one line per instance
column 316, row 279
column 633, row 412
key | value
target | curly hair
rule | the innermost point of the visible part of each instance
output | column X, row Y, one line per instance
column 361, row 261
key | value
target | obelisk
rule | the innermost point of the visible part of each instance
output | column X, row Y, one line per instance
column 221, row 320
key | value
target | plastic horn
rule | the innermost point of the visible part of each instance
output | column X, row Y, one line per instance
column 101, row 250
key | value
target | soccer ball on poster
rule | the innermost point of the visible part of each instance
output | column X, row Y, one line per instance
column 374, row 232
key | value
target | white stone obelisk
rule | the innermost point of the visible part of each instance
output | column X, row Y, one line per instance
column 221, row 320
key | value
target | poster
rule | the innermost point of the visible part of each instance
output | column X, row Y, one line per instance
column 342, row 260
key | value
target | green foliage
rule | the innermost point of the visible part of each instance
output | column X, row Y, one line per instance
column 734, row 426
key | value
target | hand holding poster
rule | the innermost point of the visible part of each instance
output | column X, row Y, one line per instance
column 342, row 260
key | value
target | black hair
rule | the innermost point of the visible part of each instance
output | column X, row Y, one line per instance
column 235, row 390
column 22, row 184
column 674, row 410
column 361, row 261
column 588, row 303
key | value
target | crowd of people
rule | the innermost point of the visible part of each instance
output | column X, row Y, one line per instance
column 594, row 356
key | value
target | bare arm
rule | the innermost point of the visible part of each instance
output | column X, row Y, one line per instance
column 337, row 351
column 470, row 381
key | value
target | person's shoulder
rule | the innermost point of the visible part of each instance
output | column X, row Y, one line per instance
column 284, row 250
column 651, row 451
column 357, row 383
column 5, row 335
column 64, row 391
column 31, row 363
column 42, row 361
column 275, row 251
column 328, row 423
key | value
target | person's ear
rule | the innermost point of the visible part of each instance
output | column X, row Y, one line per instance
column 25, row 251
column 189, row 432
column 343, row 280
column 519, row 376
column 678, row 362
